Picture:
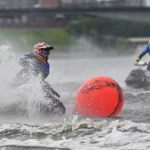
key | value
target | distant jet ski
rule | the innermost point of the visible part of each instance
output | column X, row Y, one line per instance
column 139, row 78
column 49, row 105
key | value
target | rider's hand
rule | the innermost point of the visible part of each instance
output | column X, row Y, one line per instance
column 136, row 63
column 23, row 62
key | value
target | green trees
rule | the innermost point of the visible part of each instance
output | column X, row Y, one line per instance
column 109, row 32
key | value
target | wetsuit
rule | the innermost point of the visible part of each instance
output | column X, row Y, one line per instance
column 32, row 66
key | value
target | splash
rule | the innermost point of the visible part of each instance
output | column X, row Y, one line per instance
column 84, row 134
column 16, row 101
column 7, row 55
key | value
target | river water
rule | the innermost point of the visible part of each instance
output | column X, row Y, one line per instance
column 130, row 130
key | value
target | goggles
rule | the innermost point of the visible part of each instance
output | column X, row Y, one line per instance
column 45, row 53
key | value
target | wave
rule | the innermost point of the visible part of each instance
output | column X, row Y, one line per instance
column 69, row 128
column 76, row 133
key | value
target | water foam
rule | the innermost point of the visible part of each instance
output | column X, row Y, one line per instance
column 75, row 134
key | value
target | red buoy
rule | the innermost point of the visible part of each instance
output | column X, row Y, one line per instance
column 99, row 97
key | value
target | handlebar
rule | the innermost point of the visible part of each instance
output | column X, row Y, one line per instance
column 142, row 64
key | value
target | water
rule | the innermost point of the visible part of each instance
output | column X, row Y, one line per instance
column 130, row 130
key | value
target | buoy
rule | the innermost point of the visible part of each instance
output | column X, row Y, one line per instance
column 99, row 97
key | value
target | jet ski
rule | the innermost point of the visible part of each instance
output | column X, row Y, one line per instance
column 139, row 78
column 49, row 105
column 54, row 105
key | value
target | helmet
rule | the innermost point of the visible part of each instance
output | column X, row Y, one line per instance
column 43, row 49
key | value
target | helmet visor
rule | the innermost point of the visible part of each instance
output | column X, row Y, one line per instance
column 45, row 53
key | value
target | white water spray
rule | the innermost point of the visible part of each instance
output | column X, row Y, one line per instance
column 21, row 97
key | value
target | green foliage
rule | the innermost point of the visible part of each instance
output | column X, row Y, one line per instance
column 28, row 37
column 110, row 26
column 109, row 32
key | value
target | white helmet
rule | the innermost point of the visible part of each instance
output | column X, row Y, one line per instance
column 41, row 47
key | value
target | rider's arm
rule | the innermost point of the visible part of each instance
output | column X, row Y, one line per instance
column 46, row 71
column 146, row 50
column 140, row 56
column 24, row 61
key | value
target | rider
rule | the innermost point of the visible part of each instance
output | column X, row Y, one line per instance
column 35, row 63
column 146, row 50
